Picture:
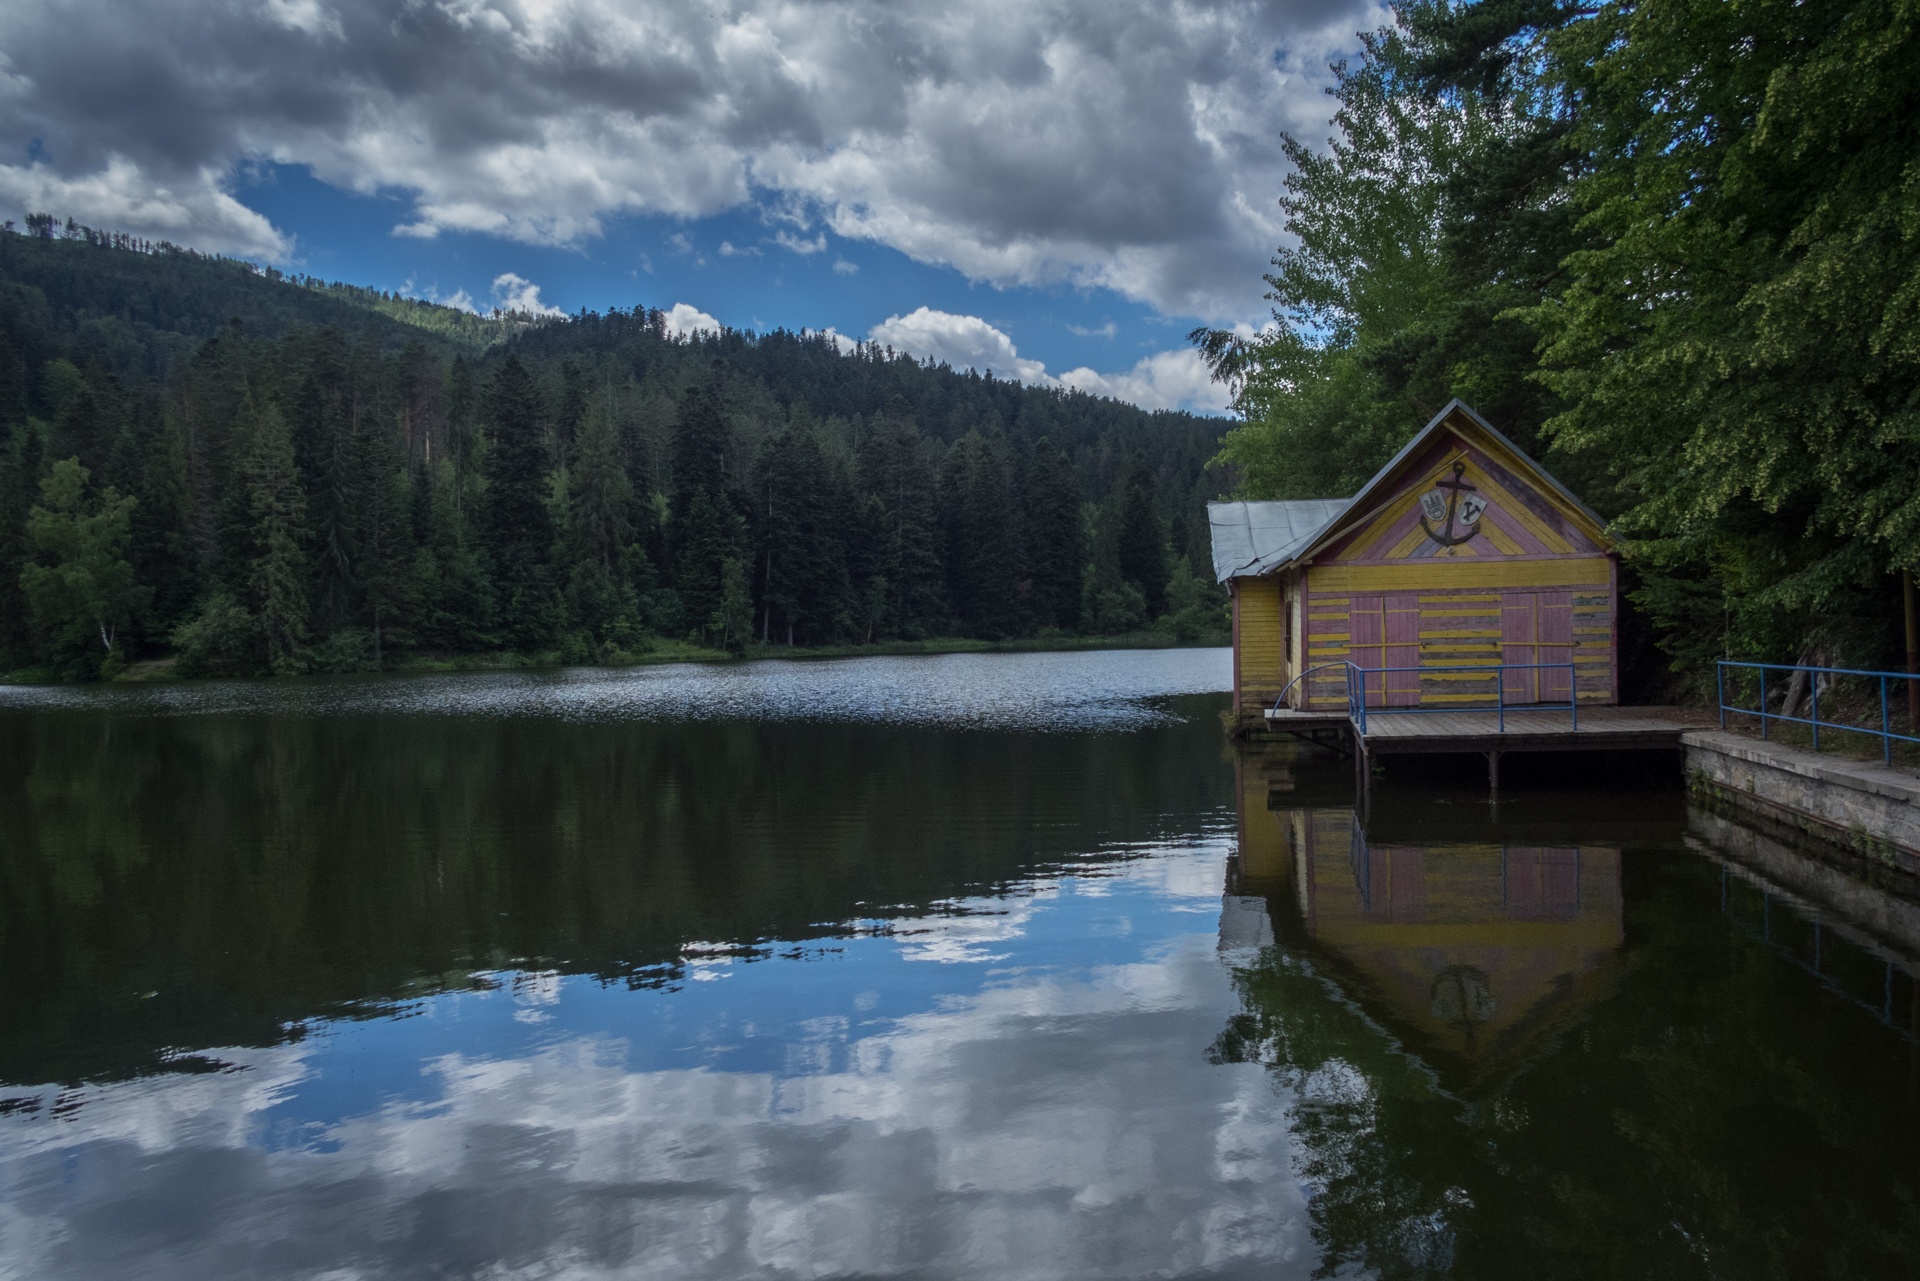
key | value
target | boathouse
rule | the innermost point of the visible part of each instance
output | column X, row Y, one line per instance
column 1460, row 555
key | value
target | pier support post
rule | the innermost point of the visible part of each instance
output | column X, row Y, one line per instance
column 1493, row 774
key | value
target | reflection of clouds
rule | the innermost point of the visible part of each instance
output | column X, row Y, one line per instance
column 1054, row 1123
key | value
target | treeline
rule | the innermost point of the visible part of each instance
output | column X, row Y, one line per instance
column 1669, row 246
column 292, row 493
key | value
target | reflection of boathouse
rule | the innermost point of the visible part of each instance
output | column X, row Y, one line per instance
column 1473, row 954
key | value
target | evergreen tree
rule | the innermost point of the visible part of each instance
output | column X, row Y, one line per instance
column 19, row 475
column 277, row 577
column 710, row 541
column 1140, row 536
column 980, row 539
column 894, row 468
column 1056, row 538
column 383, row 520
column 519, row 525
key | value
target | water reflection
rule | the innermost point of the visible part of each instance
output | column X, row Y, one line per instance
column 339, row 984
column 316, row 990
column 1548, row 1041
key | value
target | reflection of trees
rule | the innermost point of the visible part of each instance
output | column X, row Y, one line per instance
column 1719, row 1115
column 253, row 872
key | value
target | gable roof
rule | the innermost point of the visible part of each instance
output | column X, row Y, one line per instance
column 1257, row 538
column 1460, row 417
column 1252, row 538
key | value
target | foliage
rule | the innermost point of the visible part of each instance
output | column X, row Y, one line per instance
column 221, row 639
column 1669, row 247
column 334, row 478
column 85, row 591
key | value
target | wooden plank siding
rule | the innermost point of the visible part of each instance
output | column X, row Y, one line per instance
column 1556, row 623
column 1260, row 669
column 1531, row 580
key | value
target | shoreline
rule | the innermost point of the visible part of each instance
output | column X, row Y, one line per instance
column 160, row 670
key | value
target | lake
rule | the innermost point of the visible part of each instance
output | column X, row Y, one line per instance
column 989, row 965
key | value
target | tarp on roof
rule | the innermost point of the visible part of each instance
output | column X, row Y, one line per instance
column 1252, row 538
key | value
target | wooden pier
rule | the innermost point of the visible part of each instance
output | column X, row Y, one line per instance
column 1478, row 730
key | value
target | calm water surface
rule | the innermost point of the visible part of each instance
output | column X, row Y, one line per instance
column 982, row 966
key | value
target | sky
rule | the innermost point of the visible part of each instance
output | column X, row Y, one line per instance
column 1057, row 190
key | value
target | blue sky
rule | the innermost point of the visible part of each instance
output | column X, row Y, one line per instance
column 731, row 266
column 1054, row 189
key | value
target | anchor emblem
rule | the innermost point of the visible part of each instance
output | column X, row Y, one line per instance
column 1449, row 501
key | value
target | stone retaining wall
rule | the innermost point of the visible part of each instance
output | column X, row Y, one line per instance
column 1869, row 809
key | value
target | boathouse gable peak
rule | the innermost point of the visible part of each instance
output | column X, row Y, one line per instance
column 1511, row 513
column 1529, row 512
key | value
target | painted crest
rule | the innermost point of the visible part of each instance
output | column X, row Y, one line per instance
column 1450, row 510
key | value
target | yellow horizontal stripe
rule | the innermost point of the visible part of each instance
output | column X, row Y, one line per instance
column 1455, row 633
column 1404, row 575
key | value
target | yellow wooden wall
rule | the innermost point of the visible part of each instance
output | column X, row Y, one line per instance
column 1261, row 665
column 1460, row 620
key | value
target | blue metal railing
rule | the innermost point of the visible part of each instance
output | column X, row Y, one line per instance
column 1885, row 733
column 1278, row 702
column 1357, row 709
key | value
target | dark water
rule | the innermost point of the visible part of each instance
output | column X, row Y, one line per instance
column 995, row 966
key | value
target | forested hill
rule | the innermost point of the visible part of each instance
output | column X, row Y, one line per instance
column 265, row 472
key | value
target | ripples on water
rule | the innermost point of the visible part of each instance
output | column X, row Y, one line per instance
column 1099, row 690
column 974, row 966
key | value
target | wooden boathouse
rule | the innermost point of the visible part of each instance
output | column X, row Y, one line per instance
column 1458, row 568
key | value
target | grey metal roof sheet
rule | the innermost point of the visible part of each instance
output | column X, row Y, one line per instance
column 1252, row 538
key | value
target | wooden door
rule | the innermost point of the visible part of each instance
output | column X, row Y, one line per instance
column 1553, row 612
column 1537, row 627
column 1521, row 683
column 1366, row 643
column 1402, row 648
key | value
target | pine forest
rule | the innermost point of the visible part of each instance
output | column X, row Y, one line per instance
column 253, row 473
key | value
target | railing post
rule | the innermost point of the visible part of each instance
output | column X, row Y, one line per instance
column 1720, row 691
column 1886, row 744
column 1573, row 695
column 1500, row 693
column 1764, row 727
column 1813, row 679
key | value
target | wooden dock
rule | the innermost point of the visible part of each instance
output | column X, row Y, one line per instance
column 1478, row 730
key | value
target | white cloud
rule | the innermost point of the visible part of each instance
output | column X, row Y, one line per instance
column 308, row 16
column 512, row 292
column 683, row 320
column 1104, row 331
column 1129, row 144
column 727, row 250
column 195, row 210
column 787, row 240
column 965, row 342
column 841, row 267
column 1165, row 380
column 459, row 300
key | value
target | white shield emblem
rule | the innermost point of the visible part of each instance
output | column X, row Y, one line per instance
column 1471, row 505
column 1434, row 504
